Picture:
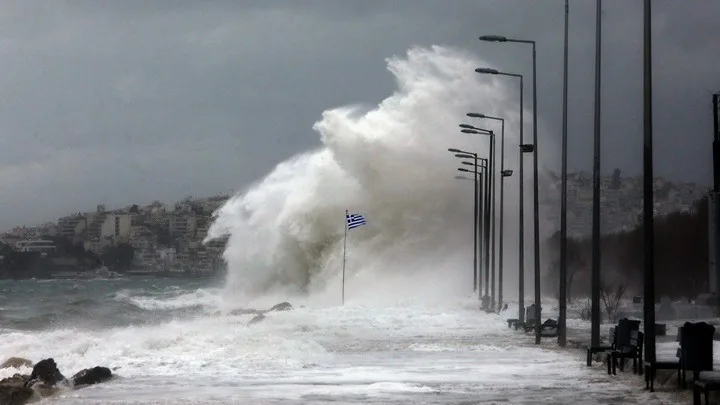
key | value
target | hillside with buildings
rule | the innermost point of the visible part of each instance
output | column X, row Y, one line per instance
column 150, row 240
column 621, row 201
column 160, row 239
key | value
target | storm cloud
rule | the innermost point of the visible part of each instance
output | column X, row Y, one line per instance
column 129, row 102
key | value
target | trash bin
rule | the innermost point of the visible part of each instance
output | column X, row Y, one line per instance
column 696, row 346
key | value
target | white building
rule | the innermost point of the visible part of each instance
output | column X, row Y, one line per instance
column 36, row 245
column 116, row 227
column 183, row 224
column 71, row 226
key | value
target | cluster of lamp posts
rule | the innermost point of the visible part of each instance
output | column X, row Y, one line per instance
column 483, row 173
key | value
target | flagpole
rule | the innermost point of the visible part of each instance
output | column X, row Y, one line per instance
column 344, row 250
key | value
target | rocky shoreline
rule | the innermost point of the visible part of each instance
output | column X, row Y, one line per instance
column 45, row 380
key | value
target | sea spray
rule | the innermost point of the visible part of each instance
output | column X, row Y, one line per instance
column 391, row 164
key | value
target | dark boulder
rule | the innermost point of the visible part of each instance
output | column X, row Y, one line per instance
column 47, row 372
column 91, row 376
column 14, row 395
column 256, row 319
column 18, row 380
column 16, row 362
column 283, row 306
column 13, row 390
column 43, row 382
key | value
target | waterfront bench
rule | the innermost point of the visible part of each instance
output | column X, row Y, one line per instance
column 513, row 322
column 665, row 363
column 549, row 328
column 651, row 368
column 592, row 350
column 707, row 381
column 620, row 337
column 633, row 349
column 695, row 354
column 529, row 320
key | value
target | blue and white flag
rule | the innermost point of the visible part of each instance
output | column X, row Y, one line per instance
column 355, row 220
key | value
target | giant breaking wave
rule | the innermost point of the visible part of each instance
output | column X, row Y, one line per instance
column 390, row 163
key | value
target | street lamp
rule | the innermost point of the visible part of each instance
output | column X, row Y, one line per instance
column 595, row 268
column 536, row 198
column 483, row 219
column 521, row 208
column 475, row 218
column 715, row 248
column 502, row 197
column 490, row 205
column 562, row 296
column 649, row 273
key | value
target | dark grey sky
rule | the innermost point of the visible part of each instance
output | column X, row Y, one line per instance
column 123, row 102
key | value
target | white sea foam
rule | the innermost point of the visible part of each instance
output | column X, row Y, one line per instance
column 351, row 354
column 409, row 331
column 390, row 163
column 209, row 297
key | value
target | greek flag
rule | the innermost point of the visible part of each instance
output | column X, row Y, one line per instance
column 355, row 220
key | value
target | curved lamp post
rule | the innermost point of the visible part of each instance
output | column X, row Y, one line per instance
column 521, row 209
column 475, row 218
column 480, row 171
column 536, row 197
column 502, row 201
column 490, row 227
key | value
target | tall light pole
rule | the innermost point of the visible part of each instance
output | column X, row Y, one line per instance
column 536, row 198
column 715, row 248
column 595, row 271
column 521, row 218
column 502, row 204
column 489, row 212
column 562, row 316
column 484, row 221
column 648, row 206
column 480, row 169
column 475, row 221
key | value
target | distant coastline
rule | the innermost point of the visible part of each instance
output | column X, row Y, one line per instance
column 132, row 274
column 158, row 240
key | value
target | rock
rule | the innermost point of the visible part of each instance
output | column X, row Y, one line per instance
column 43, row 382
column 47, row 372
column 11, row 395
column 16, row 362
column 91, row 376
column 283, row 306
column 13, row 390
column 256, row 319
column 17, row 380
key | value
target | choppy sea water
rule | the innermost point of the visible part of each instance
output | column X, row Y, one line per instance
column 169, row 345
